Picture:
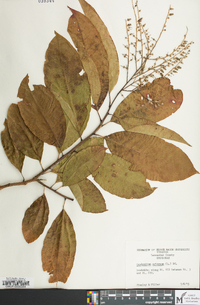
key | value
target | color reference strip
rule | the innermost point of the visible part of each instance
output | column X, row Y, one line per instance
column 92, row 298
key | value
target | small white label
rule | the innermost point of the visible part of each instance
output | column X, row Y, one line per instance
column 162, row 264
column 45, row 1
column 16, row 282
column 187, row 297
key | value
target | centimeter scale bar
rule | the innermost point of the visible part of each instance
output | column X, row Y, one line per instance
column 134, row 297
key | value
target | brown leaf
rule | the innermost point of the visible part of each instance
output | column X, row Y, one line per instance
column 15, row 156
column 42, row 113
column 158, row 131
column 62, row 70
column 106, row 40
column 154, row 101
column 82, row 164
column 115, row 177
column 89, row 197
column 23, row 139
column 155, row 158
column 35, row 219
column 59, row 249
column 92, row 53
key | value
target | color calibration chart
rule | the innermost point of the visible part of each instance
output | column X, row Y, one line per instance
column 92, row 297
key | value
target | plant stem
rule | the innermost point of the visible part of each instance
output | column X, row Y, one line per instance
column 44, row 171
column 55, row 191
column 129, row 81
column 24, row 182
column 128, row 55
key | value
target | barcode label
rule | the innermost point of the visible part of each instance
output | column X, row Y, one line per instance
column 16, row 282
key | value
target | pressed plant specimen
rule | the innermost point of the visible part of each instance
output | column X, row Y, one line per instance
column 79, row 79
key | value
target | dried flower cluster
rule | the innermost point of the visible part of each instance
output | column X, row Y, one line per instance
column 140, row 50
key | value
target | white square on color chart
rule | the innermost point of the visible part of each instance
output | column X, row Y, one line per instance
column 162, row 264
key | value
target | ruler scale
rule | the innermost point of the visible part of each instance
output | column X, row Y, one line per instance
column 143, row 297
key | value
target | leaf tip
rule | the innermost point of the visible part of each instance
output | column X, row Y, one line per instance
column 71, row 9
column 23, row 84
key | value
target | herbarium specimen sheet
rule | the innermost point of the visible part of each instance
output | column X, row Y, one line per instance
column 99, row 152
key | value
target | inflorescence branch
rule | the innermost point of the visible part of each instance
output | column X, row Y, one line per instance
column 143, row 46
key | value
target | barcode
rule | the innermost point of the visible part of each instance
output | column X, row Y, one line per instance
column 16, row 282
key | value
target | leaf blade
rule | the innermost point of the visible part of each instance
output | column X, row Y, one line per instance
column 89, row 197
column 59, row 249
column 159, row 131
column 42, row 113
column 59, row 168
column 15, row 156
column 82, row 164
column 92, row 53
column 108, row 43
column 115, row 177
column 155, row 158
column 62, row 70
column 35, row 219
column 154, row 101
column 24, row 140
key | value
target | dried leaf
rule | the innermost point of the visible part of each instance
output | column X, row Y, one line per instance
column 158, row 131
column 155, row 102
column 15, row 156
column 71, row 133
column 59, row 168
column 115, row 177
column 82, row 164
column 23, row 139
column 89, row 197
column 42, row 113
column 107, row 41
column 35, row 219
column 59, row 249
column 155, row 158
column 92, row 53
column 62, row 70
column 93, row 141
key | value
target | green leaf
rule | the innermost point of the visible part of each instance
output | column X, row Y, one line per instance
column 59, row 249
column 35, row 219
column 62, row 70
column 15, row 156
column 42, row 113
column 82, row 164
column 158, row 131
column 89, row 197
column 93, row 141
column 59, row 168
column 115, row 177
column 92, row 53
column 155, row 158
column 154, row 101
column 106, row 40
column 23, row 139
